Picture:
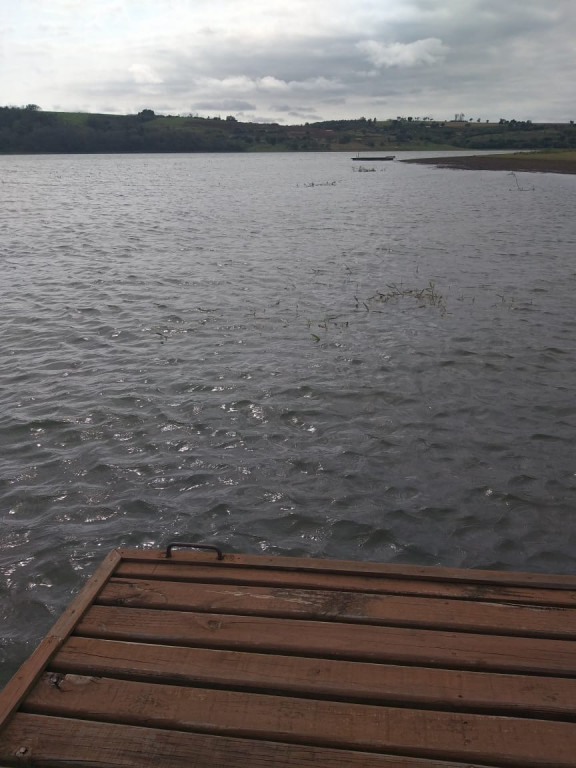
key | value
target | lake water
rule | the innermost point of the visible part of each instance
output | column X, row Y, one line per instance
column 280, row 355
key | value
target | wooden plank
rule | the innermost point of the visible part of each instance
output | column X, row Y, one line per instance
column 414, row 733
column 457, row 650
column 389, row 610
column 309, row 564
column 17, row 688
column 249, row 576
column 378, row 683
column 106, row 745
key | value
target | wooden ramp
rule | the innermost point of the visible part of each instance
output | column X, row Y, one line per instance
column 190, row 662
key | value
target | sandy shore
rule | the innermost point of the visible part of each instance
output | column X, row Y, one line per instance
column 538, row 162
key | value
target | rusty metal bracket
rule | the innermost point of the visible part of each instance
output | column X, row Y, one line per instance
column 211, row 547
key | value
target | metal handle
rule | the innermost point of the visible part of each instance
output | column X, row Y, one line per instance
column 171, row 546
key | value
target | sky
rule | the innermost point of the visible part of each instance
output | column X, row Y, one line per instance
column 293, row 62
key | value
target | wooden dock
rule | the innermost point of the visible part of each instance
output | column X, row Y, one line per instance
column 189, row 661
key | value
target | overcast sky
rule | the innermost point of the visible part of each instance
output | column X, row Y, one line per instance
column 293, row 62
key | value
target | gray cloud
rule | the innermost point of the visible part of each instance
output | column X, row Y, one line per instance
column 420, row 52
column 225, row 105
column 304, row 114
column 287, row 108
column 329, row 60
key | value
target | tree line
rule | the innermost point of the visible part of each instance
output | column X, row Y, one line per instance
column 30, row 130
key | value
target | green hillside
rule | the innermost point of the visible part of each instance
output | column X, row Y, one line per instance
column 30, row 130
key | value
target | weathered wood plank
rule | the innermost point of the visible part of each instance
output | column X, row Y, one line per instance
column 18, row 686
column 224, row 574
column 414, row 733
column 106, row 745
column 431, row 573
column 457, row 650
column 389, row 610
column 377, row 683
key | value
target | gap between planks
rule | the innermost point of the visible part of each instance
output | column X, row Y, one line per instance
column 346, row 567
column 410, row 732
column 352, row 642
column 190, row 573
column 350, row 607
column 105, row 745
column 520, row 695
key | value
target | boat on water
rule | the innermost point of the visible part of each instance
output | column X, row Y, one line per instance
column 374, row 159
column 169, row 659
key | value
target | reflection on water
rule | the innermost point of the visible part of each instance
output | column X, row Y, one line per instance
column 277, row 354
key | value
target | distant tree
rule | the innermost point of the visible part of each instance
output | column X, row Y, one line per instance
column 99, row 122
column 32, row 108
column 146, row 114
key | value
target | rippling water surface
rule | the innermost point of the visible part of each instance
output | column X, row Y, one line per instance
column 280, row 355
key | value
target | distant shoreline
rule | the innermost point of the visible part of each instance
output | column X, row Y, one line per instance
column 29, row 130
column 529, row 162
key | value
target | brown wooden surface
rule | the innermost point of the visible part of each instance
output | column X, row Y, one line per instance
column 382, row 584
column 389, row 610
column 105, row 745
column 378, row 683
column 343, row 567
column 266, row 661
column 458, row 650
column 15, row 690
column 415, row 733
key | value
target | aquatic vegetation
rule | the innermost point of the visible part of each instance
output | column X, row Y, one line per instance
column 427, row 296
column 518, row 187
